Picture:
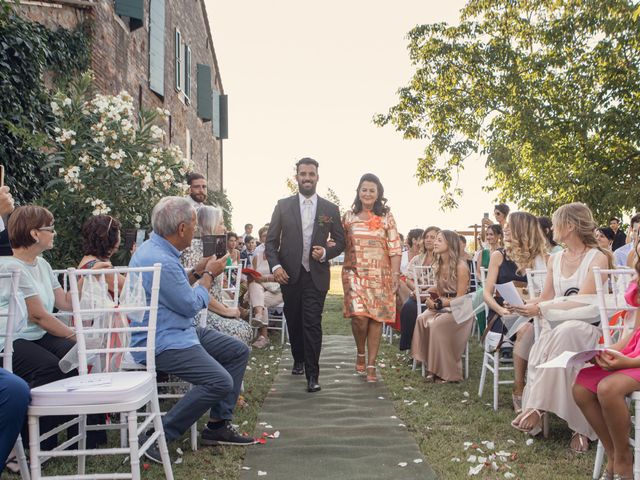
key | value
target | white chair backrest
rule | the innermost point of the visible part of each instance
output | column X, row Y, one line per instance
column 134, row 276
column 610, row 293
column 423, row 279
column 535, row 282
column 474, row 280
column 230, row 282
column 483, row 275
column 9, row 316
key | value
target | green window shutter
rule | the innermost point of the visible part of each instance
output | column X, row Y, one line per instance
column 203, row 79
column 224, row 117
column 134, row 9
column 215, row 119
column 156, row 46
column 178, row 62
column 187, row 72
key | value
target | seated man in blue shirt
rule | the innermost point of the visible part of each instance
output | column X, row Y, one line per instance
column 214, row 363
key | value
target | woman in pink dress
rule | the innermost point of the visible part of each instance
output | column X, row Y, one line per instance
column 600, row 392
column 371, row 270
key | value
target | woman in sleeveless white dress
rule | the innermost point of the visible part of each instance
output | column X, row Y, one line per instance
column 549, row 390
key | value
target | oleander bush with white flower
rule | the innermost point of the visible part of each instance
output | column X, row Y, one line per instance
column 106, row 158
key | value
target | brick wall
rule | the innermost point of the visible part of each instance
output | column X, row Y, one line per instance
column 120, row 61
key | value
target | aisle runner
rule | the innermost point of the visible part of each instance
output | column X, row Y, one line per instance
column 346, row 431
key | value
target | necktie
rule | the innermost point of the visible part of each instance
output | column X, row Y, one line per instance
column 307, row 220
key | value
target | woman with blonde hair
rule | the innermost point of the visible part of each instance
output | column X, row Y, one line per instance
column 438, row 340
column 525, row 247
column 569, row 272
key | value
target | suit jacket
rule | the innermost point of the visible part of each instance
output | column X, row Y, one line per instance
column 284, row 239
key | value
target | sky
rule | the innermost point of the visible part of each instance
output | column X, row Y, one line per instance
column 304, row 79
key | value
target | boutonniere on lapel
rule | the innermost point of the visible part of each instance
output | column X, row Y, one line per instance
column 324, row 220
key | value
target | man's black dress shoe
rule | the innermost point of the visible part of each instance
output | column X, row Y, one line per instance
column 313, row 385
column 298, row 368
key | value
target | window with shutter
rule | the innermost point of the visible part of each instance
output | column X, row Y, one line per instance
column 133, row 9
column 187, row 73
column 178, row 62
column 203, row 79
column 224, row 117
column 156, row 46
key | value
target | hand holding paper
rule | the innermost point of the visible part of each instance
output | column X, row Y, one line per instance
column 576, row 359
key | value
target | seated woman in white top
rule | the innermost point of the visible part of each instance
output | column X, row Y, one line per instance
column 264, row 292
column 568, row 272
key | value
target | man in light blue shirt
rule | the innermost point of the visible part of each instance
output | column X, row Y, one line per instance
column 621, row 254
column 214, row 363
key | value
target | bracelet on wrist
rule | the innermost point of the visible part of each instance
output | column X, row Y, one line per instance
column 438, row 304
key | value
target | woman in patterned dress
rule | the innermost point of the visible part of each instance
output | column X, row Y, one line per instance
column 219, row 316
column 371, row 270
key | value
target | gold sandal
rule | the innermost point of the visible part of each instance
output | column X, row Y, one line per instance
column 371, row 378
column 360, row 367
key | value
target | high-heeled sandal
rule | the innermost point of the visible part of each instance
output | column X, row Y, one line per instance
column 371, row 378
column 583, row 443
column 536, row 429
column 360, row 367
column 617, row 476
column 606, row 475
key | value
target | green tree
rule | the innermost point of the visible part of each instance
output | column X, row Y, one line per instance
column 547, row 90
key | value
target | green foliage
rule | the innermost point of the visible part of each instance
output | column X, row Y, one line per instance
column 28, row 51
column 221, row 200
column 546, row 90
column 106, row 159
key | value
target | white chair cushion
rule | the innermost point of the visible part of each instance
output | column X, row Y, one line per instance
column 94, row 389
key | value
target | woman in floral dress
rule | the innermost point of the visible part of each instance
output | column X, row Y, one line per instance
column 371, row 270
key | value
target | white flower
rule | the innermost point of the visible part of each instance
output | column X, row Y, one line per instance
column 138, row 218
column 66, row 102
column 156, row 132
column 55, row 108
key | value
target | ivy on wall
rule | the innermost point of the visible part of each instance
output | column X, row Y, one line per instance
column 29, row 52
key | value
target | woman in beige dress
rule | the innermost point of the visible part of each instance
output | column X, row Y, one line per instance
column 568, row 272
column 438, row 340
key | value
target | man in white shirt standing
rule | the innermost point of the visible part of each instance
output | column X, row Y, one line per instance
column 297, row 252
column 621, row 254
column 197, row 190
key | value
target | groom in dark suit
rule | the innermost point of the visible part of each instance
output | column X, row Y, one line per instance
column 298, row 255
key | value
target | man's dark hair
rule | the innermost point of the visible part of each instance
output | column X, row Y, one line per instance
column 503, row 208
column 248, row 225
column 306, row 161
column 614, row 219
column 413, row 235
column 248, row 238
column 193, row 176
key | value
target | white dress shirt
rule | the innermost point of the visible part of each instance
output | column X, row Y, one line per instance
column 307, row 230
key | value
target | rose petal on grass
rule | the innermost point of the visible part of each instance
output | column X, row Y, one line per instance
column 467, row 445
column 466, row 394
column 380, row 398
column 472, row 459
column 455, row 459
column 246, row 468
column 262, row 441
column 401, row 425
column 509, row 475
column 490, row 445
column 276, row 434
column 145, row 466
column 418, row 460
column 268, row 426
column 402, row 464
column 178, row 461
column 247, row 367
column 529, row 441
column 394, row 417
column 261, row 473
column 179, row 451
column 476, row 470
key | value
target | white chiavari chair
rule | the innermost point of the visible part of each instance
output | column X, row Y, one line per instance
column 423, row 280
column 104, row 392
column 11, row 318
column 610, row 288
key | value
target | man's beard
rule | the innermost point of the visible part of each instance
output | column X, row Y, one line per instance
column 198, row 197
column 306, row 190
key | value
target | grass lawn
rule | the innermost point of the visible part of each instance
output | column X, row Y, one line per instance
column 449, row 422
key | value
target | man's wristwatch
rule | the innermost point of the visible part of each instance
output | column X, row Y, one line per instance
column 207, row 272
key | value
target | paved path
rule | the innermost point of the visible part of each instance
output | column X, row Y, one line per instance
column 346, row 431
